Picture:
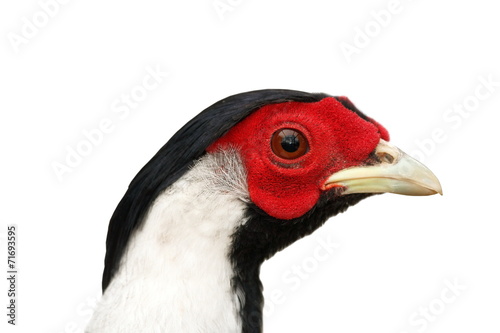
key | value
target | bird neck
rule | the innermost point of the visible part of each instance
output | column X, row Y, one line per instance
column 177, row 274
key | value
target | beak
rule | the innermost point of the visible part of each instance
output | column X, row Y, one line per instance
column 396, row 173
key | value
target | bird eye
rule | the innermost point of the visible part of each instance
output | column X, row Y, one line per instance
column 289, row 144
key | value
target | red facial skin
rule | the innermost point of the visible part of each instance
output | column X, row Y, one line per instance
column 285, row 189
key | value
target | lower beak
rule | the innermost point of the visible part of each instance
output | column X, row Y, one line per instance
column 396, row 173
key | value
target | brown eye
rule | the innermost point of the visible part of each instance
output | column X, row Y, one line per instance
column 289, row 144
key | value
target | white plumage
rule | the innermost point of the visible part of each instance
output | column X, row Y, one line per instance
column 176, row 267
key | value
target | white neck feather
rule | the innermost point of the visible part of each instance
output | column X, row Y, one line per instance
column 175, row 273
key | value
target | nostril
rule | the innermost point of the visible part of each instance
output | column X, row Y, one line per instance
column 385, row 157
column 387, row 153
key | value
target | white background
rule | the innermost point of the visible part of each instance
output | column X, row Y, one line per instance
column 394, row 253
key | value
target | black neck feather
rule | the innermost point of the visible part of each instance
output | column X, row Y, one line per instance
column 261, row 237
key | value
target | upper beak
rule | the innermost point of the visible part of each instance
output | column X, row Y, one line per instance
column 396, row 173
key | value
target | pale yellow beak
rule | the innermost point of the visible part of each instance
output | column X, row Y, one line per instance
column 397, row 173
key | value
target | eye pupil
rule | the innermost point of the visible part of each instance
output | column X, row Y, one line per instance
column 289, row 144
